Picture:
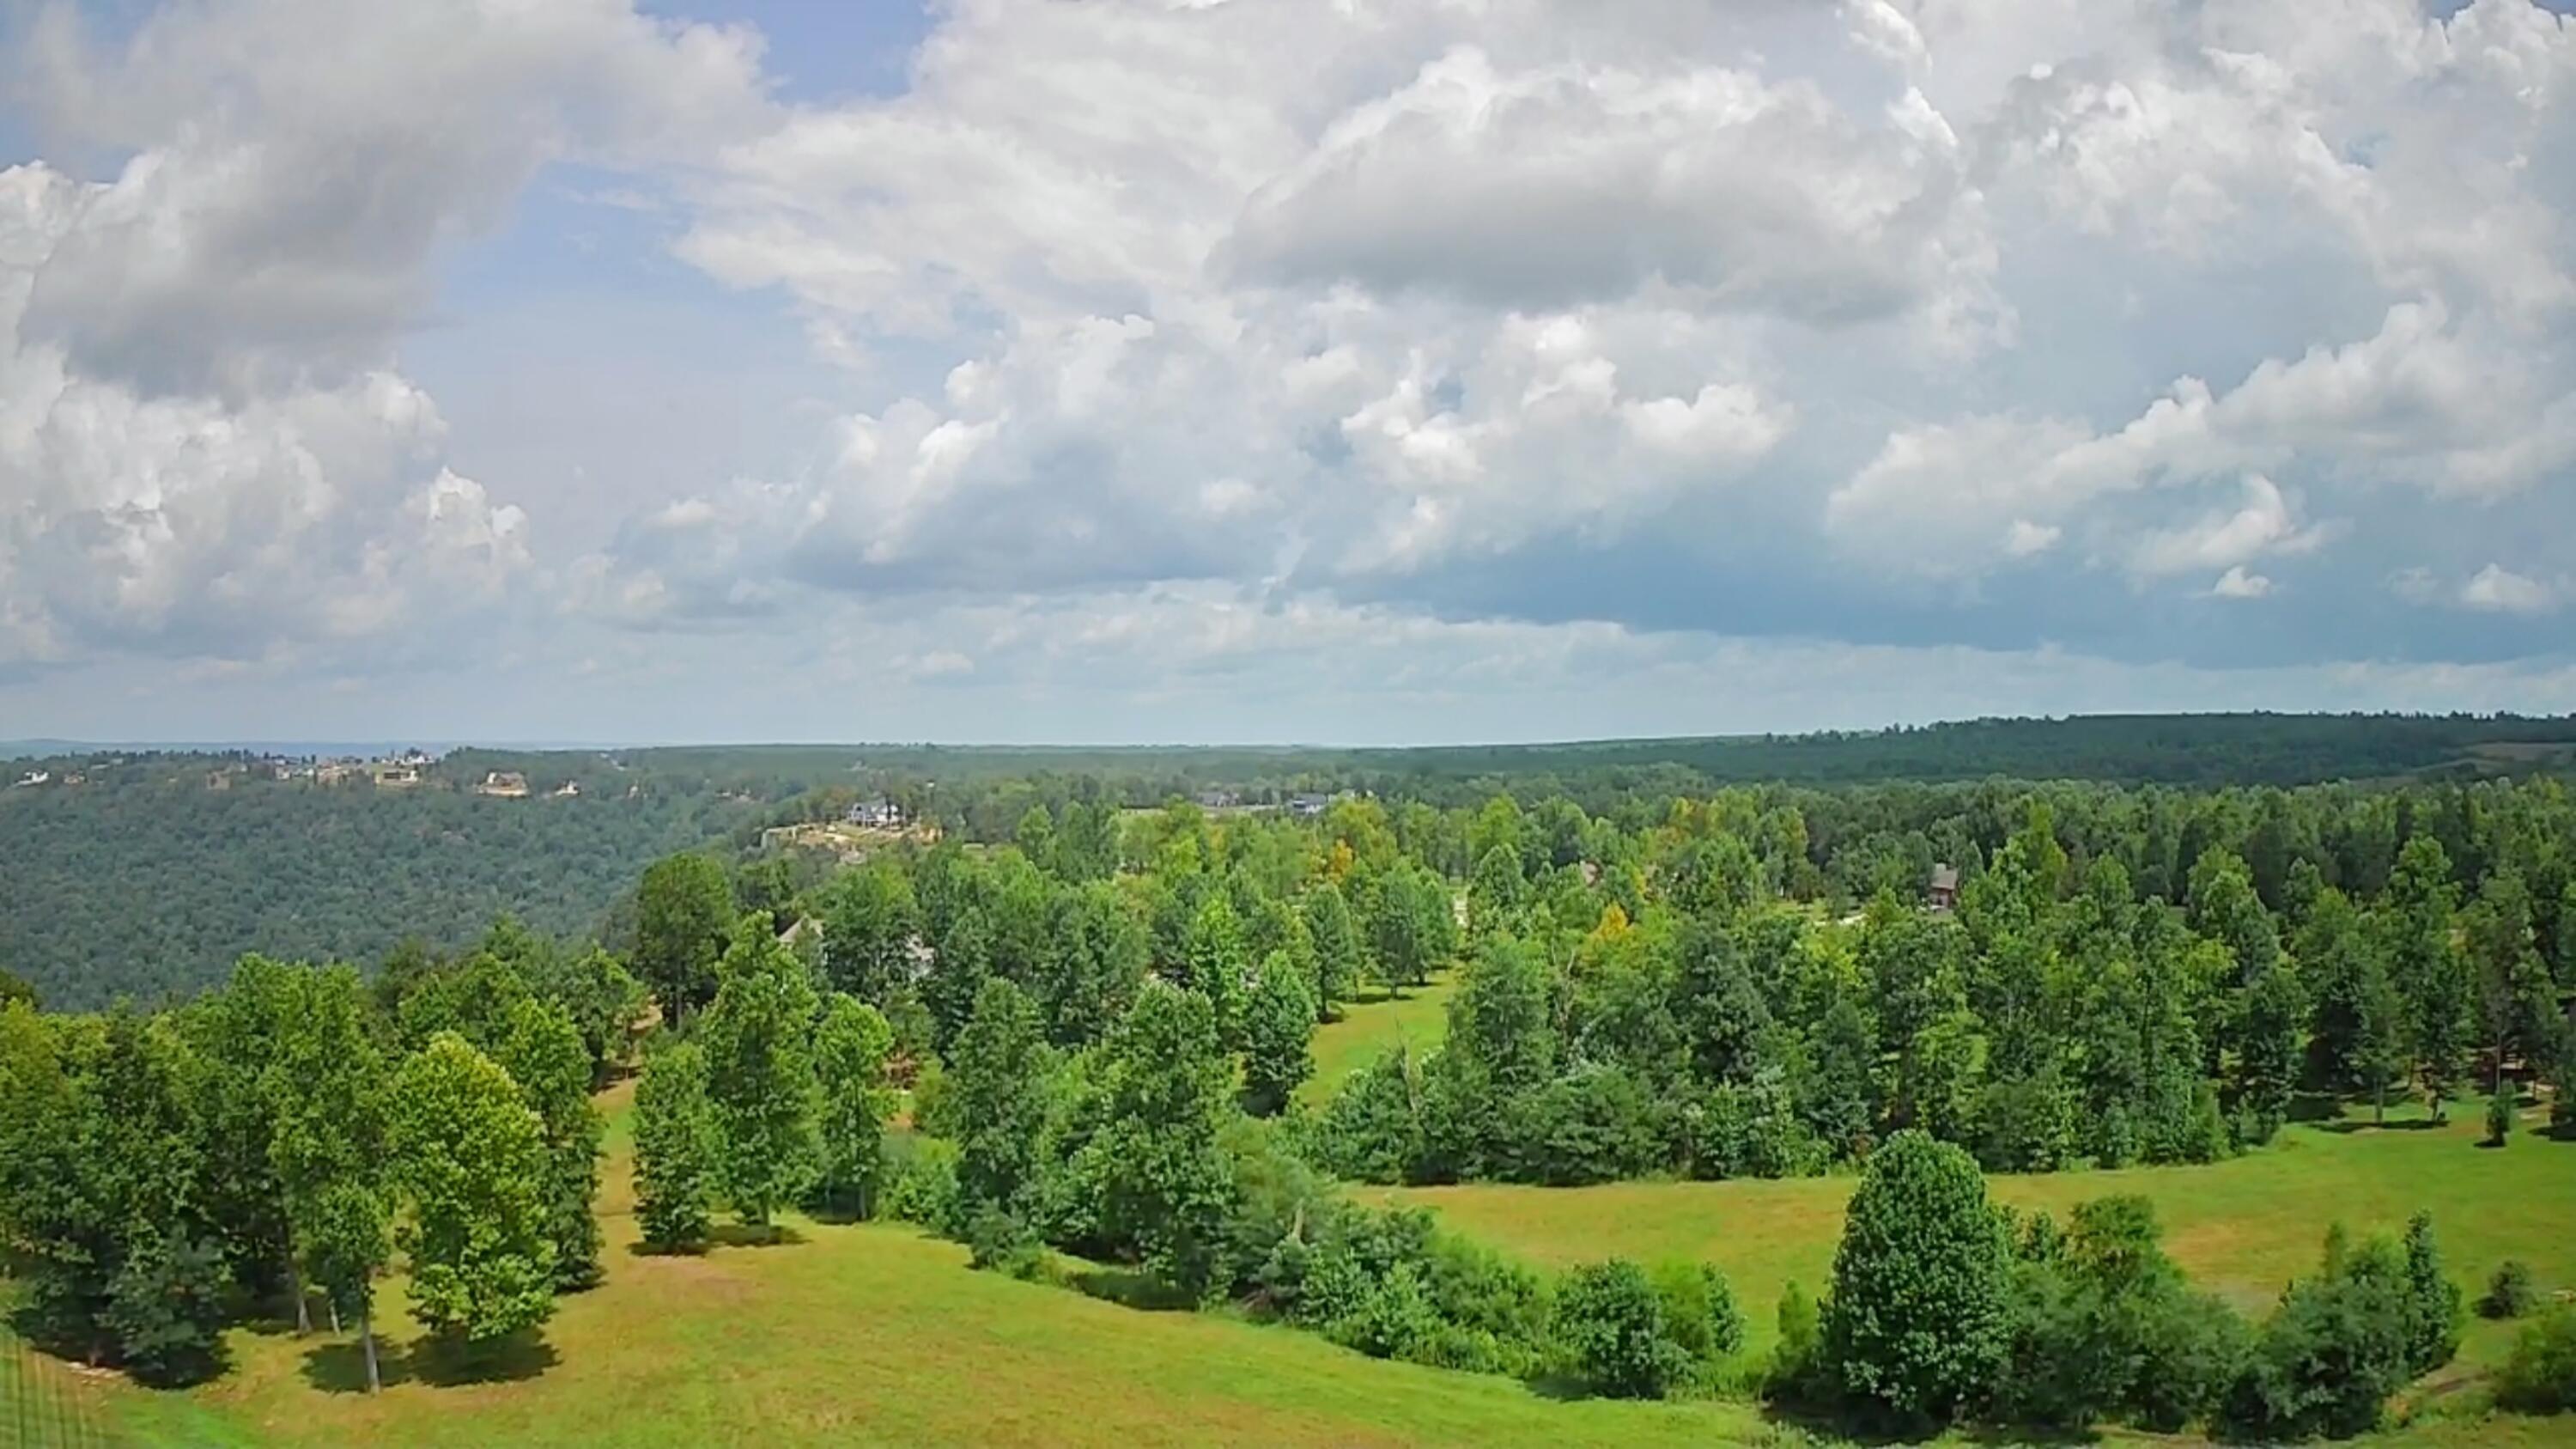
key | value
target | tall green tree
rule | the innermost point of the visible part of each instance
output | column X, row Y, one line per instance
column 328, row 1091
column 1279, row 1027
column 997, row 1098
column 2424, row 960
column 1167, row 1184
column 1339, row 960
column 675, row 1149
column 850, row 1048
column 684, row 913
column 869, row 921
column 471, row 1158
column 545, row 1054
column 1219, row 968
column 760, row 1074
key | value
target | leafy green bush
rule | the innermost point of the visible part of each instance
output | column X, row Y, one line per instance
column 1920, row 1320
column 2540, row 1376
column 2510, row 1293
column 2332, row 1353
column 921, row 1182
column 1610, row 1321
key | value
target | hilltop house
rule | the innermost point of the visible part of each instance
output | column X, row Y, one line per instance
column 506, row 784
column 876, row 813
column 1308, row 806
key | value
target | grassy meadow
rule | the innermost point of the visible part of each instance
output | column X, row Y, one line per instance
column 870, row 1334
column 875, row 1334
column 1368, row 1026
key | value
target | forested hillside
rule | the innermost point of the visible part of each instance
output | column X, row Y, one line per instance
column 144, row 880
column 153, row 887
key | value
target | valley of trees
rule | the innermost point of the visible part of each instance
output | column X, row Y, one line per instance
column 345, row 872
column 1076, row 1045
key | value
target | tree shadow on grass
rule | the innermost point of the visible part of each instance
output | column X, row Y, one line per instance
column 745, row 1235
column 2351, row 1125
column 447, row 1363
column 2316, row 1107
column 341, row 1368
column 1131, row 1289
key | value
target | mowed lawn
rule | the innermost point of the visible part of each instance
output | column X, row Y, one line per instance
column 872, row 1335
column 1369, row 1026
column 2241, row 1228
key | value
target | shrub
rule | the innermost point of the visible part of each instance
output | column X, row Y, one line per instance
column 1792, row 1373
column 2500, row 1114
column 2332, row 1353
column 1699, row 1310
column 166, row 1308
column 2432, row 1302
column 2540, row 1375
column 1919, row 1321
column 921, row 1182
column 2510, row 1293
column 1610, row 1321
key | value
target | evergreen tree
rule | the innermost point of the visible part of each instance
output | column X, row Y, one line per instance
column 675, row 1149
column 760, row 1074
column 1218, row 965
column 1278, row 1025
column 472, row 1160
column 850, row 1048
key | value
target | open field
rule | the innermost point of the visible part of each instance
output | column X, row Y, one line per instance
column 2241, row 1228
column 871, row 1334
column 876, row 1334
column 1368, row 1027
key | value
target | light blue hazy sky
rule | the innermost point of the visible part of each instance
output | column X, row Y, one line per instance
column 1376, row 370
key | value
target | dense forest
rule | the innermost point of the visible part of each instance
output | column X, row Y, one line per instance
column 146, row 882
column 1083, row 1043
column 342, row 872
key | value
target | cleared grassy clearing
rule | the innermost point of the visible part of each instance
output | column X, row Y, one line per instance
column 1369, row 1026
column 2241, row 1228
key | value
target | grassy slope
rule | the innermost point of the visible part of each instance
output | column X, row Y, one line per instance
column 874, row 1334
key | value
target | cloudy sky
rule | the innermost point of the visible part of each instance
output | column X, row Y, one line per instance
column 1334, row 370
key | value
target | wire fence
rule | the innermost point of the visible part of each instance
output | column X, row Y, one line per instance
column 42, row 1406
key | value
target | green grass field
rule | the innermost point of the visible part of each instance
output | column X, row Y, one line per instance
column 870, row 1335
column 2241, row 1228
column 878, row 1335
column 1368, row 1027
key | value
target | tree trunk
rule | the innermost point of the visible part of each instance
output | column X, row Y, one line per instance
column 335, row 1318
column 367, row 1345
column 303, row 1310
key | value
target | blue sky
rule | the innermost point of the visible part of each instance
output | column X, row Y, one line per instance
column 1249, row 370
